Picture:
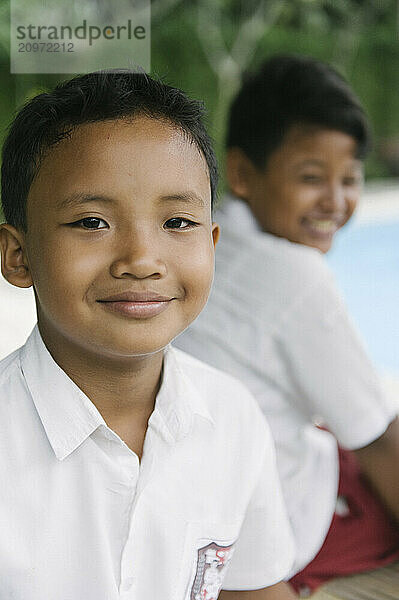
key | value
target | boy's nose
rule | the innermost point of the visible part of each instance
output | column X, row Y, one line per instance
column 333, row 199
column 138, row 259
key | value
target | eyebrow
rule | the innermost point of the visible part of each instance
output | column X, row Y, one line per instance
column 320, row 163
column 311, row 162
column 189, row 197
column 81, row 198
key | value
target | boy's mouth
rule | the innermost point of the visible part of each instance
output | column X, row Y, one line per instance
column 146, row 296
column 137, row 305
column 323, row 227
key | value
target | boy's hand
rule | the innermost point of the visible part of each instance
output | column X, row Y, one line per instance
column 280, row 591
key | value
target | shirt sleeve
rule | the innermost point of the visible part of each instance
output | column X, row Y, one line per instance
column 331, row 374
column 264, row 551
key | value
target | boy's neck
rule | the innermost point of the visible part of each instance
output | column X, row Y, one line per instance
column 121, row 389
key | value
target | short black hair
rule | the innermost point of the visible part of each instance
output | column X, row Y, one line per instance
column 100, row 96
column 292, row 90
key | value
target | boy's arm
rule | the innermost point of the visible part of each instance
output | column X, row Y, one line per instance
column 379, row 462
column 280, row 591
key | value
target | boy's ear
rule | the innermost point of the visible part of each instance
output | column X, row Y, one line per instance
column 239, row 170
column 14, row 265
column 215, row 233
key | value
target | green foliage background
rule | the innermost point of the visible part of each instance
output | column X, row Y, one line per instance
column 200, row 45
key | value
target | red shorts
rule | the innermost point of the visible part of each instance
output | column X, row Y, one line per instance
column 363, row 539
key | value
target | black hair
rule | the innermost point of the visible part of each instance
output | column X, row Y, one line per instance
column 292, row 90
column 100, row 96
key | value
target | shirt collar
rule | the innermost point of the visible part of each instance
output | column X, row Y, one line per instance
column 178, row 400
column 67, row 414
column 69, row 417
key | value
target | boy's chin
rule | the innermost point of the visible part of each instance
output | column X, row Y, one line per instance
column 322, row 245
column 96, row 340
column 325, row 246
column 130, row 349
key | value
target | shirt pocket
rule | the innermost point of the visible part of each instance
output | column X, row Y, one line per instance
column 208, row 549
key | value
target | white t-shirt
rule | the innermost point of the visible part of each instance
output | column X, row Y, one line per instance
column 81, row 517
column 276, row 321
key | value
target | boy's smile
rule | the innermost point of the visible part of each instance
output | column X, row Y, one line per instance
column 139, row 305
column 120, row 241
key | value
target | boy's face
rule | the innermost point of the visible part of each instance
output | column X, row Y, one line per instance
column 120, row 242
column 309, row 187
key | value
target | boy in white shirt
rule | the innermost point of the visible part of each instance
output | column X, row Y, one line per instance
column 124, row 478
column 297, row 137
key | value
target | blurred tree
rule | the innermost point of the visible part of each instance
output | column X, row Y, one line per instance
column 206, row 45
column 229, row 61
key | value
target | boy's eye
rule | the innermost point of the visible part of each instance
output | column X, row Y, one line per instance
column 311, row 178
column 351, row 180
column 91, row 223
column 179, row 223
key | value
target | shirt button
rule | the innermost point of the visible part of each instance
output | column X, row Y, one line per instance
column 126, row 584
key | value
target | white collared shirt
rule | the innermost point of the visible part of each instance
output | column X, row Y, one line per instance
column 80, row 517
column 276, row 321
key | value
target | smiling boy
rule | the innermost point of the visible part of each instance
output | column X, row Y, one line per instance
column 297, row 138
column 124, row 477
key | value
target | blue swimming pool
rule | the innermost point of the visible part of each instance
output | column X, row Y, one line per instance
column 365, row 260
